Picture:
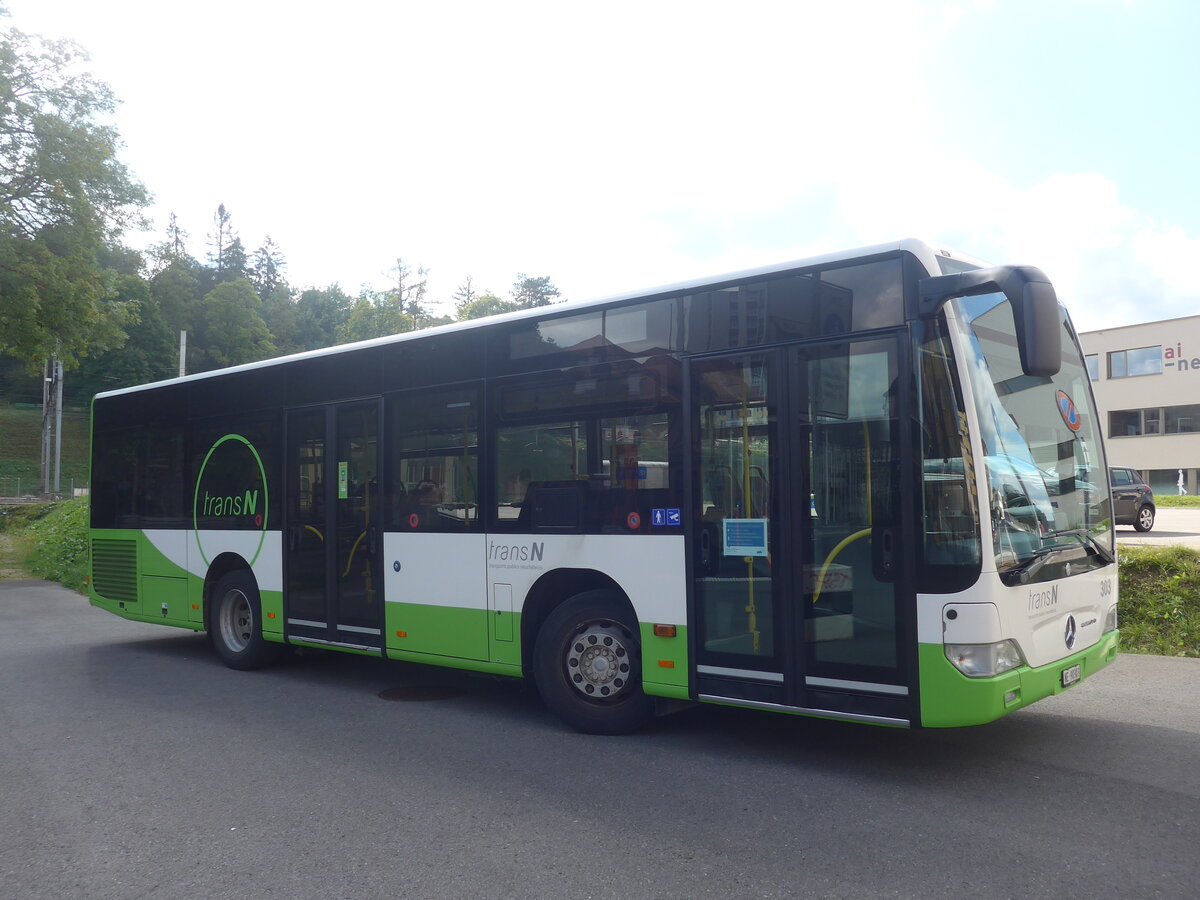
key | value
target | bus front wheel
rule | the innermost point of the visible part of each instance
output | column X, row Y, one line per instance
column 587, row 665
column 235, row 623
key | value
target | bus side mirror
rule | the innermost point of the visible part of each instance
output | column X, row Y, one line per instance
column 1039, row 329
column 1034, row 305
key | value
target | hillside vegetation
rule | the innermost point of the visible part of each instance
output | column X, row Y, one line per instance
column 21, row 450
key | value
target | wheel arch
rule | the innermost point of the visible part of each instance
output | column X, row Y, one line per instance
column 220, row 567
column 551, row 590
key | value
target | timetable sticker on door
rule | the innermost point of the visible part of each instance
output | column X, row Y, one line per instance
column 745, row 537
column 343, row 480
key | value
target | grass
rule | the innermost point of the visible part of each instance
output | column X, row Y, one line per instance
column 21, row 449
column 47, row 540
column 1176, row 501
column 1160, row 600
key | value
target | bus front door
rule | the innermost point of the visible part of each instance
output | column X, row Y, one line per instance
column 333, row 591
column 797, row 587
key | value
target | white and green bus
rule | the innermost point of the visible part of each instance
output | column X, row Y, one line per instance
column 865, row 486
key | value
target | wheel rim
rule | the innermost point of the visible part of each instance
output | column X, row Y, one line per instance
column 1146, row 517
column 236, row 622
column 598, row 662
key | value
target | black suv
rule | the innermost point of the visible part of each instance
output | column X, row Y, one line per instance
column 1133, row 500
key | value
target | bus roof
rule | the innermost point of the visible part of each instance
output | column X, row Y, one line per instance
column 920, row 249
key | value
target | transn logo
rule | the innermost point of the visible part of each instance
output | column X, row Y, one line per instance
column 246, row 505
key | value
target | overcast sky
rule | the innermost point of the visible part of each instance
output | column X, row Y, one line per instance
column 617, row 146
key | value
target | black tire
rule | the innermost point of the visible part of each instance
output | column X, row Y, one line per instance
column 1144, row 520
column 235, row 623
column 587, row 663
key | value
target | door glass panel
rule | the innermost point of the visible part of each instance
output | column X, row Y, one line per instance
column 357, row 503
column 306, row 517
column 738, row 445
column 847, row 406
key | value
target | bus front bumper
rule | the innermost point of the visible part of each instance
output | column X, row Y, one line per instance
column 949, row 698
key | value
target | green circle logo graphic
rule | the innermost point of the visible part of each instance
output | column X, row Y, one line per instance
column 242, row 503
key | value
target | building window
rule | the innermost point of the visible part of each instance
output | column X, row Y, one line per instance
column 1093, row 366
column 1129, row 363
column 1152, row 421
column 1182, row 419
column 1155, row 420
column 1125, row 423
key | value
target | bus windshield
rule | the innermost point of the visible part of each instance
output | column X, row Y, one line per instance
column 1047, row 484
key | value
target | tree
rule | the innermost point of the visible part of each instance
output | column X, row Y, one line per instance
column 280, row 314
column 486, row 305
column 266, row 272
column 464, row 296
column 235, row 264
column 178, row 290
column 64, row 197
column 530, row 292
column 226, row 254
column 374, row 315
column 319, row 314
column 409, row 294
column 233, row 331
column 150, row 353
column 172, row 249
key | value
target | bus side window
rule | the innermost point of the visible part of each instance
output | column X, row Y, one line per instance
column 433, row 471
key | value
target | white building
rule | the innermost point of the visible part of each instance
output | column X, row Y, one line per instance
column 1147, row 383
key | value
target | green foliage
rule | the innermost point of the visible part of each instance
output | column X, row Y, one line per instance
column 232, row 331
column 528, row 292
column 266, row 273
column 374, row 316
column 486, row 305
column 319, row 315
column 60, row 544
column 1160, row 600
column 64, row 198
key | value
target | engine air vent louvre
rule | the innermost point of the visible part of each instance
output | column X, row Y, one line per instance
column 114, row 569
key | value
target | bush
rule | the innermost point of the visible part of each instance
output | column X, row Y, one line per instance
column 60, row 544
column 1160, row 600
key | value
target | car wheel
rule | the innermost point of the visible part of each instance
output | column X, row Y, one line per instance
column 1145, row 519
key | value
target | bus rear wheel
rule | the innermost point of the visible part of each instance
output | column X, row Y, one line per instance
column 235, row 623
column 587, row 665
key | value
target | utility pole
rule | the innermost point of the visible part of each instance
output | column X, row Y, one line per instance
column 46, row 420
column 52, row 378
column 58, row 377
column 182, row 353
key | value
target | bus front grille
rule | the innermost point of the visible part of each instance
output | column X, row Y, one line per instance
column 114, row 569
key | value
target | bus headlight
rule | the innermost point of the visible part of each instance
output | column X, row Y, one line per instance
column 1110, row 619
column 984, row 660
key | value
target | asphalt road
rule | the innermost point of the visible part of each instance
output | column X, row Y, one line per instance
column 1171, row 526
column 133, row 765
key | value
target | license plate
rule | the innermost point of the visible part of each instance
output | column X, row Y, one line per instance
column 1071, row 675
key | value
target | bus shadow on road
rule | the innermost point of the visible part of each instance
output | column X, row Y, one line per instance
column 179, row 671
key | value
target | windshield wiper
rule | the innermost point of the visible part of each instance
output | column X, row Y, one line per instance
column 1023, row 573
column 1089, row 540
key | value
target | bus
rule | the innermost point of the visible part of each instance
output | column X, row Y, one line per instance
column 865, row 486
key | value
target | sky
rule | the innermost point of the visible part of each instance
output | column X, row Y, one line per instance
column 620, row 146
